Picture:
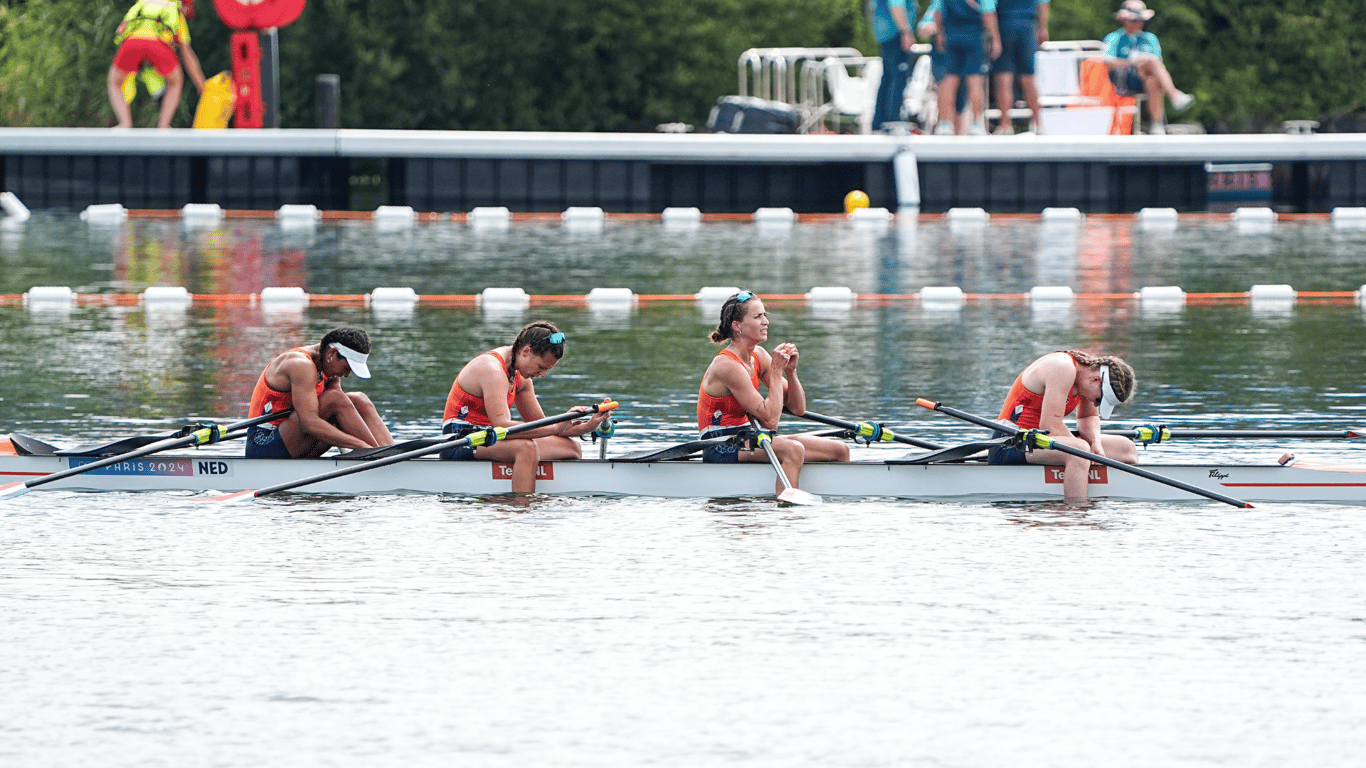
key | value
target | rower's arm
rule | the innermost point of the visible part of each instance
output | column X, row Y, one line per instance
column 303, row 387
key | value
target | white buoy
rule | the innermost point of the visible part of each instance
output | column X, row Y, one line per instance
column 1256, row 215
column 399, row 296
column 967, row 215
column 284, row 297
column 59, row 297
column 878, row 216
column 166, row 297
column 1349, row 217
column 941, row 297
column 14, row 207
column 715, row 294
column 1272, row 294
column 681, row 216
column 104, row 213
column 831, row 296
column 1157, row 214
column 201, row 213
column 504, row 298
column 394, row 214
column 1165, row 295
column 298, row 214
column 774, row 216
column 611, row 299
column 1051, row 294
column 485, row 216
column 582, row 214
column 1063, row 215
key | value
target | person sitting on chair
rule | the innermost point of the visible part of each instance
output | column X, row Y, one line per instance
column 1134, row 57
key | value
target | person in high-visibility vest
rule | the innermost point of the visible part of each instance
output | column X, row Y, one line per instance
column 154, row 31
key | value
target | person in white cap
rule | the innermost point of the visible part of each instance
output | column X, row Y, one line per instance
column 1059, row 384
column 308, row 379
column 1134, row 58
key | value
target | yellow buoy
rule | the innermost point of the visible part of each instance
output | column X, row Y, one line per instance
column 856, row 199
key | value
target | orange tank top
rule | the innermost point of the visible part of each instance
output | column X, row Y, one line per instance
column 1025, row 408
column 265, row 399
column 725, row 411
column 462, row 406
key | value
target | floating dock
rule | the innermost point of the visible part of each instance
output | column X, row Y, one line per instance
column 457, row 171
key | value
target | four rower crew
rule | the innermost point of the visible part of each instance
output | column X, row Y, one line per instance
column 308, row 379
column 487, row 387
column 1056, row 385
column 729, row 401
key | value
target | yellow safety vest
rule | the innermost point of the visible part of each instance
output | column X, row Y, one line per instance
column 155, row 20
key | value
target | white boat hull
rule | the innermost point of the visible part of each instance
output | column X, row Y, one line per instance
column 692, row 478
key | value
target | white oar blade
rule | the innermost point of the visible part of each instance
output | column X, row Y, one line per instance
column 798, row 496
column 9, row 490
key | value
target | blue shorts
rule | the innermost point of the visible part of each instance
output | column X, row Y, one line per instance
column 724, row 453
column 264, row 442
column 965, row 55
column 939, row 66
column 1127, row 82
column 1006, row 454
column 464, row 452
column 1019, row 41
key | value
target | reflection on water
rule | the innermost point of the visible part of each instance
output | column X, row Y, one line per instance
column 155, row 629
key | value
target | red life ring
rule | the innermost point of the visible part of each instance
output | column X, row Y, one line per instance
column 258, row 14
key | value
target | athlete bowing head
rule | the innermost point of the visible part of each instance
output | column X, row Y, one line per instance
column 1063, row 383
column 485, row 391
column 308, row 379
column 730, row 401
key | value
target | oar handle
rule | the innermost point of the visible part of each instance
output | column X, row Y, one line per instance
column 1044, row 441
column 448, row 442
column 202, row 436
column 864, row 430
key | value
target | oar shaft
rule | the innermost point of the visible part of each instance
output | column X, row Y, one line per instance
column 452, row 442
column 1096, row 458
column 852, row 427
column 161, row 445
column 1327, row 434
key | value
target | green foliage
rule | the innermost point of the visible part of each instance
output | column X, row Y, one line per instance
column 611, row 65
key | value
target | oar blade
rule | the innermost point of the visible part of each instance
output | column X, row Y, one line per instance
column 10, row 490
column 237, row 497
column 800, row 497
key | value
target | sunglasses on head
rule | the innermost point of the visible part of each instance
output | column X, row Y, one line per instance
column 555, row 338
column 743, row 296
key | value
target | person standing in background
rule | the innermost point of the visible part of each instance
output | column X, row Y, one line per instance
column 154, row 31
column 1024, row 29
column 892, row 23
column 961, row 24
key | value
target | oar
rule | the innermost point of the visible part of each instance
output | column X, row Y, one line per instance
column 1149, row 433
column 790, row 495
column 870, row 430
column 1042, row 440
column 474, row 440
column 202, row 436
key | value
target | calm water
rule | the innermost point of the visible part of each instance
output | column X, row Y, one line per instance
column 153, row 629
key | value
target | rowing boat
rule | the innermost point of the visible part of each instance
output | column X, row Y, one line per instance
column 683, row 478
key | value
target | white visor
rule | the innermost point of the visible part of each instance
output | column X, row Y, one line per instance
column 356, row 359
column 1108, row 398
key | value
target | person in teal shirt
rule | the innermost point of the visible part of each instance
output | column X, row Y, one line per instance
column 1134, row 58
column 892, row 23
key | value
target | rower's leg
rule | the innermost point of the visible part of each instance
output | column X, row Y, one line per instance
column 524, row 455
column 558, row 447
column 822, row 449
column 1120, row 448
column 791, row 454
column 339, row 408
column 370, row 415
column 1076, row 470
